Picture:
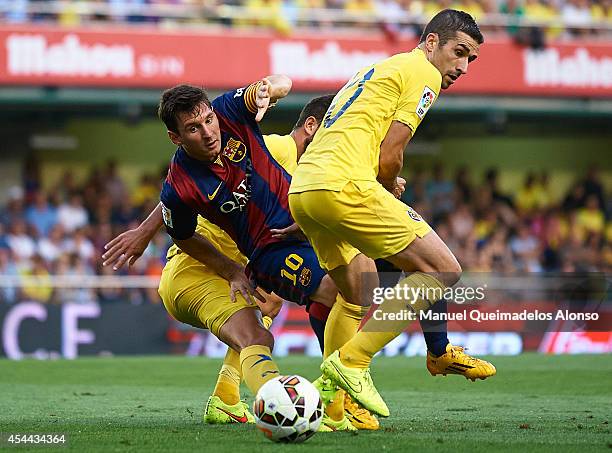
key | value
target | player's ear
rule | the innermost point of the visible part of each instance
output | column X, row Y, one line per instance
column 431, row 41
column 311, row 125
column 174, row 138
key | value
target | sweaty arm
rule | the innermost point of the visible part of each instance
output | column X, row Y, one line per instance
column 201, row 249
column 181, row 222
column 391, row 157
column 417, row 90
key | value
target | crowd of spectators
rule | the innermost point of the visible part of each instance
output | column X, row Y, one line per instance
column 557, row 18
column 62, row 230
column 528, row 230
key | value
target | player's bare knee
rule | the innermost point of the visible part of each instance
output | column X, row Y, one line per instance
column 454, row 275
column 456, row 270
column 445, row 266
column 450, row 272
column 259, row 336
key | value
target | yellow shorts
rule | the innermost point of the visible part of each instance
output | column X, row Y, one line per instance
column 361, row 218
column 194, row 294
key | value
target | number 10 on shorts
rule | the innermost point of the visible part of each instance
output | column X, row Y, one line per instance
column 293, row 262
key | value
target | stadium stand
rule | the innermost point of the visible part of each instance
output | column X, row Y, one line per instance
column 528, row 20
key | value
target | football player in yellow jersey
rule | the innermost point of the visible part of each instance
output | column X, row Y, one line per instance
column 344, row 196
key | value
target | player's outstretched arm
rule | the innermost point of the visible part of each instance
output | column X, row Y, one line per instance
column 130, row 245
column 201, row 249
column 391, row 157
column 271, row 89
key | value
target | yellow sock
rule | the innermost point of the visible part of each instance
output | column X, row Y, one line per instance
column 342, row 324
column 228, row 382
column 376, row 333
column 257, row 366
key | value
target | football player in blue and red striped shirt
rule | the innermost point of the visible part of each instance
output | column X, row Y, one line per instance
column 223, row 171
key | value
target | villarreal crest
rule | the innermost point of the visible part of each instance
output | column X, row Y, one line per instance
column 234, row 150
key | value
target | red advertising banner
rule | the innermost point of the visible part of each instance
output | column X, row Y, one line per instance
column 151, row 58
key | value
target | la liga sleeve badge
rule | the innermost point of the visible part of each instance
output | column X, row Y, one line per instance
column 167, row 215
column 427, row 99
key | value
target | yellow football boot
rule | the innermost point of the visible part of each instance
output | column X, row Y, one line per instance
column 329, row 425
column 327, row 390
column 359, row 417
column 356, row 382
column 456, row 361
column 219, row 413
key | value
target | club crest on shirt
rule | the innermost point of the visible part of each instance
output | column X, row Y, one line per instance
column 413, row 214
column 234, row 150
column 305, row 276
column 427, row 99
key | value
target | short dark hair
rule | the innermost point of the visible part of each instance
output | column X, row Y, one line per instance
column 448, row 22
column 180, row 99
column 316, row 107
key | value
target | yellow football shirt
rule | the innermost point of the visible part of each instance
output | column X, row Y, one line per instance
column 284, row 150
column 347, row 145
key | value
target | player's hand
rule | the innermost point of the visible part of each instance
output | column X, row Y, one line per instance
column 272, row 305
column 239, row 283
column 262, row 99
column 400, row 187
column 291, row 231
column 127, row 247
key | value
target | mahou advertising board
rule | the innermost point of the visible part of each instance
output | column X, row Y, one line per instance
column 151, row 58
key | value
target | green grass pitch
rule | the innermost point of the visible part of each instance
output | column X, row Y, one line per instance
column 535, row 403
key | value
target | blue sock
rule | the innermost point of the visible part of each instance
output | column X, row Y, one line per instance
column 318, row 327
column 435, row 332
column 317, row 314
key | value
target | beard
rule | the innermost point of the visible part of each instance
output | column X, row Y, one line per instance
column 307, row 142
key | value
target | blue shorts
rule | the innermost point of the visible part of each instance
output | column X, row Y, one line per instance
column 289, row 269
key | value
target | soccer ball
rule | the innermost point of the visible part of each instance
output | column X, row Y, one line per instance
column 288, row 409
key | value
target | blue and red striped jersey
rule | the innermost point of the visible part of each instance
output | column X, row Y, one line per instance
column 244, row 192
